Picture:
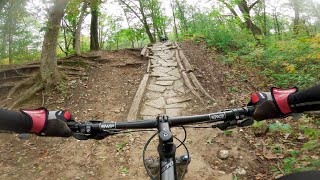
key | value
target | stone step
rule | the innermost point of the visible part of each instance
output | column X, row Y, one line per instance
column 164, row 83
column 177, row 100
column 156, row 88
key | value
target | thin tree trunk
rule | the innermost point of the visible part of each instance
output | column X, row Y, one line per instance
column 79, row 27
column 10, row 39
column 10, row 29
column 277, row 25
column 94, row 39
column 145, row 23
column 245, row 10
column 174, row 19
column 48, row 67
column 66, row 46
column 296, row 17
column 265, row 18
column 3, row 44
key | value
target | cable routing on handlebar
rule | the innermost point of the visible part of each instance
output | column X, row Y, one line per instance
column 95, row 129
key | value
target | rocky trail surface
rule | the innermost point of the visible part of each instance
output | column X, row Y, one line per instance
column 108, row 92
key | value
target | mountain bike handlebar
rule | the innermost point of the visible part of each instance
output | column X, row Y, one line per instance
column 96, row 129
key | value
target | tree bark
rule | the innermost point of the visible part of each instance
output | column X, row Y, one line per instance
column 79, row 27
column 94, row 39
column 48, row 67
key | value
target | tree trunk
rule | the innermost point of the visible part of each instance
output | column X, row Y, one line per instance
column 174, row 19
column 183, row 18
column 10, row 28
column 66, row 46
column 10, row 39
column 48, row 67
column 3, row 44
column 296, row 9
column 276, row 24
column 245, row 10
column 265, row 18
column 94, row 39
column 79, row 27
column 145, row 23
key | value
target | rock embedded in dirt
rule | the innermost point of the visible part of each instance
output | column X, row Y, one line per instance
column 164, row 83
column 177, row 100
column 240, row 171
column 156, row 88
column 223, row 154
column 157, row 103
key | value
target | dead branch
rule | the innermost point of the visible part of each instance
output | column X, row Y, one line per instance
column 143, row 52
column 179, row 61
column 185, row 61
column 189, row 85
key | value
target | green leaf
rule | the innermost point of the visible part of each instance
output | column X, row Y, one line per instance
column 310, row 145
column 294, row 152
column 124, row 170
column 227, row 133
column 288, row 164
column 278, row 126
column 120, row 146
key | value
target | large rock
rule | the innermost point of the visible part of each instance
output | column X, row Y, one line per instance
column 178, row 84
column 150, row 111
column 156, row 88
column 223, row 154
column 177, row 100
column 167, row 78
column 173, row 112
column 153, row 95
column 157, row 103
column 169, row 93
column 240, row 171
column 159, row 74
column 164, row 83
column 162, row 69
column 176, row 105
column 174, row 73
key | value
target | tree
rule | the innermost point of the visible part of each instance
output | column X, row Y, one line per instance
column 245, row 9
column 79, row 27
column 296, row 5
column 181, row 14
column 172, row 4
column 94, row 37
column 49, row 68
column 49, row 75
column 138, row 8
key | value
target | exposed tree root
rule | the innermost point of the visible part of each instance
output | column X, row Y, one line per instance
column 28, row 93
column 26, row 82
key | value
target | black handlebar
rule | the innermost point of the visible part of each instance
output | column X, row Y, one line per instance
column 99, row 129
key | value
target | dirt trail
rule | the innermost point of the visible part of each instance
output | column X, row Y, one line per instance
column 106, row 93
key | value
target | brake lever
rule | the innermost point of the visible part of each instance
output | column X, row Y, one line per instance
column 96, row 136
column 84, row 131
column 232, row 124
